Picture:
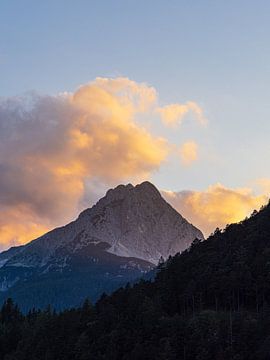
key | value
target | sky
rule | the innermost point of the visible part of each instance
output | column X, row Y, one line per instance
column 97, row 93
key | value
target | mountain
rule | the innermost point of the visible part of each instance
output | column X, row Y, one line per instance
column 118, row 240
column 212, row 301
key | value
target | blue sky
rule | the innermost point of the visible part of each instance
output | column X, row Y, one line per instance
column 215, row 53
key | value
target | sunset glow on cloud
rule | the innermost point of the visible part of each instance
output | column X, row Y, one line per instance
column 53, row 147
column 188, row 152
column 174, row 114
column 20, row 225
column 215, row 207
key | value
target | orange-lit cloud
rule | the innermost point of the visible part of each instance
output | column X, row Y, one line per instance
column 174, row 113
column 263, row 184
column 19, row 225
column 50, row 147
column 188, row 152
column 215, row 207
column 53, row 147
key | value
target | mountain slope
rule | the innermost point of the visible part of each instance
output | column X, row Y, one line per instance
column 210, row 302
column 86, row 273
column 134, row 221
column 117, row 240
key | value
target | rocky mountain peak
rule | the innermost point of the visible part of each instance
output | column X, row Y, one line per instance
column 148, row 189
column 134, row 221
column 137, row 221
column 118, row 192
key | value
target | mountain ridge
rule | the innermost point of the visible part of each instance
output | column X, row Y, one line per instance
column 132, row 195
column 119, row 239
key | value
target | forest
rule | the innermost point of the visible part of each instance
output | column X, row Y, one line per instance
column 212, row 301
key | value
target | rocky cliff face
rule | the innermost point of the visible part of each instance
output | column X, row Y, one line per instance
column 137, row 221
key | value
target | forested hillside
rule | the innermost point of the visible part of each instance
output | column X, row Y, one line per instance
column 210, row 302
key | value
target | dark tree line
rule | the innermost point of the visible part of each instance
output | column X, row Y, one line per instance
column 210, row 302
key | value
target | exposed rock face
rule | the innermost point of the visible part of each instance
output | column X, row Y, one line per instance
column 116, row 241
column 134, row 220
column 137, row 221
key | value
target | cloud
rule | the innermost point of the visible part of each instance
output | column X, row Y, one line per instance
column 174, row 114
column 215, row 207
column 52, row 146
column 54, row 150
column 263, row 184
column 188, row 152
column 18, row 225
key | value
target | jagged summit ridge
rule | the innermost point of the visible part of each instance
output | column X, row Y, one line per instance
column 135, row 221
column 121, row 191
